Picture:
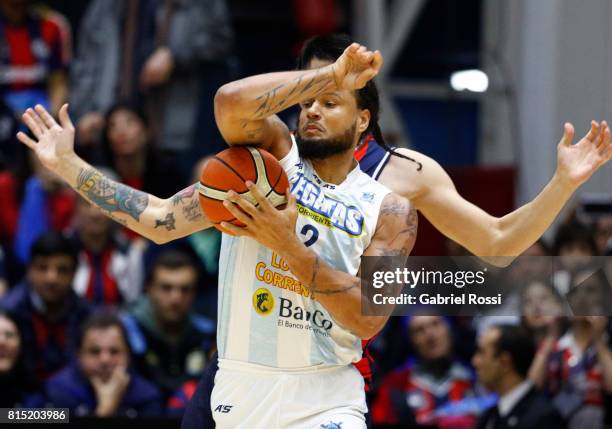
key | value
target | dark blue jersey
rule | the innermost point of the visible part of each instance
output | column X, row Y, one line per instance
column 372, row 157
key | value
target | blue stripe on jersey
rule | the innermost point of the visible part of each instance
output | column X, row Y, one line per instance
column 263, row 348
column 227, row 270
column 370, row 161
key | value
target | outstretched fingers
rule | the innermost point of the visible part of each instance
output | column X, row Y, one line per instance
column 45, row 116
column 65, row 118
column 23, row 138
column 34, row 123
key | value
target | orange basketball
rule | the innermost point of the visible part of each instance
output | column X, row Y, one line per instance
column 229, row 170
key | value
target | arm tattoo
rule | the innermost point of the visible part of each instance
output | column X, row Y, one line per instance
column 167, row 222
column 183, row 195
column 397, row 246
column 315, row 269
column 111, row 196
column 275, row 99
column 315, row 290
column 192, row 211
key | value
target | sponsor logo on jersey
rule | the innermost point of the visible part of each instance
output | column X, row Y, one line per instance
column 263, row 301
column 332, row 425
column 325, row 210
column 268, row 273
column 224, row 409
column 291, row 315
column 367, row 196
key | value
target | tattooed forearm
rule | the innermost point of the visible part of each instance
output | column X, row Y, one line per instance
column 192, row 211
column 111, row 196
column 190, row 206
column 185, row 194
column 168, row 222
column 316, row 290
column 302, row 87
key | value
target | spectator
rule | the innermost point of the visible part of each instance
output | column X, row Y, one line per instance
column 154, row 49
column 170, row 344
column 541, row 308
column 603, row 234
column 16, row 383
column 575, row 246
column 100, row 382
column 110, row 269
column 429, row 390
column 577, row 372
column 45, row 307
column 502, row 360
column 3, row 277
column 129, row 152
column 34, row 66
column 47, row 204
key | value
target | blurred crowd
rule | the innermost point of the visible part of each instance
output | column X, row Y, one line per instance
column 96, row 319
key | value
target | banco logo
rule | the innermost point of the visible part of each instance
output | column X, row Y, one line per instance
column 288, row 310
column 263, row 301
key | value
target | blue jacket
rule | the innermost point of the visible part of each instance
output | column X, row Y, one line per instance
column 70, row 389
column 47, row 347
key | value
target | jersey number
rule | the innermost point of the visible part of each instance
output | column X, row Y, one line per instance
column 313, row 238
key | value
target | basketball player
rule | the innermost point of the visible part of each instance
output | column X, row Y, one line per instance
column 290, row 321
column 140, row 211
column 423, row 181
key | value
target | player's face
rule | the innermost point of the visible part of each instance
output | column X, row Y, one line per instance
column 10, row 344
column 431, row 337
column 51, row 277
column 103, row 350
column 330, row 123
column 172, row 292
column 126, row 132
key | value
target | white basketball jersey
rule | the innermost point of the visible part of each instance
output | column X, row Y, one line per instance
column 266, row 316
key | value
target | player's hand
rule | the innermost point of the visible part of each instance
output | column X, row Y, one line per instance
column 577, row 162
column 53, row 141
column 356, row 66
column 157, row 69
column 271, row 227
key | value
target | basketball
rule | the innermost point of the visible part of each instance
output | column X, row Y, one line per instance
column 229, row 170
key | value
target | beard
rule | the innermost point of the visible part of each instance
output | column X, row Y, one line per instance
column 324, row 148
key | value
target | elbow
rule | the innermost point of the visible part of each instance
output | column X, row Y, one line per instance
column 160, row 239
column 497, row 252
column 226, row 97
column 369, row 327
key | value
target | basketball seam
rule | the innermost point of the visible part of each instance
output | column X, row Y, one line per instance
column 255, row 165
column 232, row 168
column 273, row 189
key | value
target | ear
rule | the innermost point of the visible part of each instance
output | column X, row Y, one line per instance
column 363, row 120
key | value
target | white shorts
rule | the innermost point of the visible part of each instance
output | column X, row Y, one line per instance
column 249, row 396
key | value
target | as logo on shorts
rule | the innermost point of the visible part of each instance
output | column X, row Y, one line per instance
column 332, row 425
column 263, row 301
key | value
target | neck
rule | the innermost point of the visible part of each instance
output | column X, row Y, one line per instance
column 335, row 168
column 94, row 243
column 133, row 165
column 171, row 330
column 14, row 15
column 509, row 383
column 582, row 333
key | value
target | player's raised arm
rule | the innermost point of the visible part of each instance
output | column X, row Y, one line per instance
column 337, row 291
column 499, row 239
column 245, row 110
column 157, row 219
